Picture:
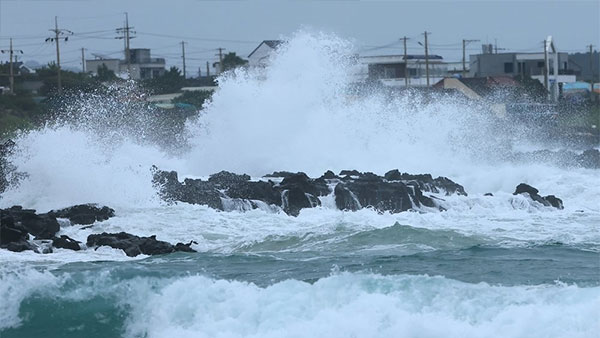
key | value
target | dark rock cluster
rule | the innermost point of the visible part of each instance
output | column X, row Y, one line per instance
column 533, row 193
column 353, row 190
column 18, row 224
column 133, row 245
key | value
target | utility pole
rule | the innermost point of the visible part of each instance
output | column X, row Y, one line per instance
column 83, row 59
column 126, row 31
column 183, row 57
column 11, row 74
column 207, row 69
column 220, row 60
column 464, row 59
column 405, row 63
column 58, row 35
column 545, row 64
column 426, row 58
column 591, row 73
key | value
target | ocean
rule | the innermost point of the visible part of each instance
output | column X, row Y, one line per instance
column 488, row 266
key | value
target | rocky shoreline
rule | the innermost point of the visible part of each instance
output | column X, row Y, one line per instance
column 24, row 229
column 291, row 192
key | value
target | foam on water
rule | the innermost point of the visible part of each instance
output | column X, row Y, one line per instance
column 342, row 305
column 350, row 305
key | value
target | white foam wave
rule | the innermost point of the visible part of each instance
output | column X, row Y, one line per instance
column 354, row 305
column 342, row 305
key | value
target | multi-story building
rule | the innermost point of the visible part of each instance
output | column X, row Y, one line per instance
column 395, row 70
column 141, row 65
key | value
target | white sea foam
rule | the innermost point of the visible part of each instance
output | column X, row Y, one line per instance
column 355, row 305
column 341, row 305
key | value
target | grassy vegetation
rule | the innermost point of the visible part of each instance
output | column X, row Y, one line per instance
column 18, row 112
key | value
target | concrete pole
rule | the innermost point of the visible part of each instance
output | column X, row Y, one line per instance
column 56, row 32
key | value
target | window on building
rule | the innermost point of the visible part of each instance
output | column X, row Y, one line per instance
column 508, row 67
column 540, row 64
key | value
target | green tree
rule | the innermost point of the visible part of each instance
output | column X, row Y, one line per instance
column 105, row 74
column 171, row 82
column 231, row 61
column 71, row 81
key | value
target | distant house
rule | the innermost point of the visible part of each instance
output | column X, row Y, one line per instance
column 533, row 65
column 392, row 70
column 141, row 65
column 503, row 94
column 260, row 55
column 580, row 64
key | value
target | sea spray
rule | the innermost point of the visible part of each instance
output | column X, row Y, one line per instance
column 301, row 113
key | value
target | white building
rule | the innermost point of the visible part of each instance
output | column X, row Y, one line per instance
column 141, row 65
column 260, row 55
column 396, row 71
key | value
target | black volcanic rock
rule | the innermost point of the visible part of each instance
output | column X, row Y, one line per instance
column 395, row 192
column 261, row 191
column 382, row 196
column 84, row 213
column 521, row 188
column 42, row 226
column 65, row 242
column 279, row 174
column 554, row 201
column 350, row 173
column 345, row 199
column 532, row 192
column 133, row 245
column 427, row 183
column 329, row 175
column 225, row 179
column 298, row 191
column 13, row 236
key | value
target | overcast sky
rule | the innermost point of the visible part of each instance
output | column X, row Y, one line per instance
column 239, row 26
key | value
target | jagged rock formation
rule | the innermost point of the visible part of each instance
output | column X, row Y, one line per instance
column 549, row 201
column 133, row 245
column 18, row 224
column 84, row 213
column 353, row 190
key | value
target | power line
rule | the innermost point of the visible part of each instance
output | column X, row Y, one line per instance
column 126, row 31
column 195, row 38
column 59, row 34
column 11, row 75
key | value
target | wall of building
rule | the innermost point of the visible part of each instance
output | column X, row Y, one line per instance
column 260, row 56
column 513, row 64
column 580, row 63
column 482, row 65
column 91, row 66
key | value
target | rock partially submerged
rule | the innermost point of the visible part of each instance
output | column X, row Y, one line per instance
column 533, row 193
column 134, row 245
column 17, row 225
column 84, row 213
column 352, row 190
